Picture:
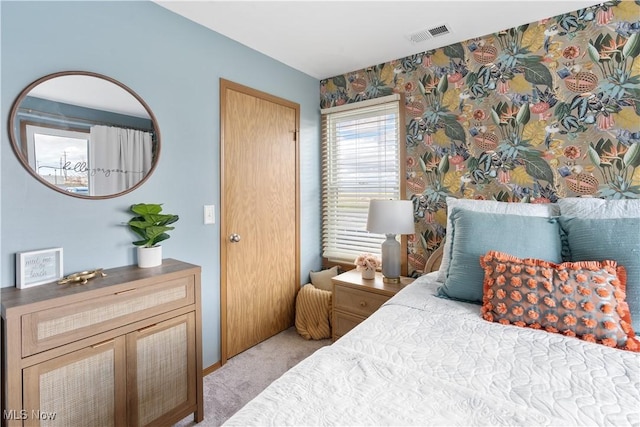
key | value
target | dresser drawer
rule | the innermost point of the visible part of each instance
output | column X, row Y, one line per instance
column 356, row 301
column 57, row 326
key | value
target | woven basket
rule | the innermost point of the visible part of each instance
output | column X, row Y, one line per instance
column 581, row 82
column 582, row 183
column 487, row 141
column 485, row 54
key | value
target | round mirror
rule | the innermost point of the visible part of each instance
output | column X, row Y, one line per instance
column 84, row 134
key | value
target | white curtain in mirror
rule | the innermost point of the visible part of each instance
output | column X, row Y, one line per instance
column 119, row 159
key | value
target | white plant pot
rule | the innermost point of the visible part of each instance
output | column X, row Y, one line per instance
column 149, row 257
column 368, row 273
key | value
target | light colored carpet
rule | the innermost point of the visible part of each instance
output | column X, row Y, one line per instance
column 244, row 376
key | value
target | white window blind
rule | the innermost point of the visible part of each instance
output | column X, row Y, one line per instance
column 360, row 162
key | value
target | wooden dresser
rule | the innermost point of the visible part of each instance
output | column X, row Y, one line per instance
column 355, row 299
column 124, row 349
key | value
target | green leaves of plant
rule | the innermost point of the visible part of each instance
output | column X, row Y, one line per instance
column 150, row 224
column 146, row 209
column 154, row 234
column 153, row 219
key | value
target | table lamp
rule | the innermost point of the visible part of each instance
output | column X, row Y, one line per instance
column 390, row 217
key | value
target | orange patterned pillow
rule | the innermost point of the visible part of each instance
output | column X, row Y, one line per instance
column 579, row 299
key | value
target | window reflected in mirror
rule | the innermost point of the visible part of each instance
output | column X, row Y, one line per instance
column 60, row 157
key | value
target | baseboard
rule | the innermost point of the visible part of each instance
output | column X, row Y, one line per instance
column 212, row 368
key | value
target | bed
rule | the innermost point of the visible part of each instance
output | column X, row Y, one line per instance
column 426, row 360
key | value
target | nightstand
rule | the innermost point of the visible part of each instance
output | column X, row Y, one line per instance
column 355, row 299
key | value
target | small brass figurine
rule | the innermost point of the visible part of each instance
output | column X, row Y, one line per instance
column 82, row 277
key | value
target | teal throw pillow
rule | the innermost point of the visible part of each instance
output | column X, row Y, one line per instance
column 474, row 233
column 617, row 239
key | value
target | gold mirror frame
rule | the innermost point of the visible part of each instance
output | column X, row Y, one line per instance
column 16, row 137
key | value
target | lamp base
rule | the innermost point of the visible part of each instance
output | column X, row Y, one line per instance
column 391, row 268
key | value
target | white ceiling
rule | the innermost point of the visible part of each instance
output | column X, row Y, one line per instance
column 327, row 38
column 90, row 92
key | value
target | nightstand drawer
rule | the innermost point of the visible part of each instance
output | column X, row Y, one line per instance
column 356, row 301
column 343, row 323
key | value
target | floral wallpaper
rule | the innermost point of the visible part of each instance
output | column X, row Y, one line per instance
column 529, row 114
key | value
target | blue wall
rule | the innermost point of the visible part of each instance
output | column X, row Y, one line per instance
column 175, row 66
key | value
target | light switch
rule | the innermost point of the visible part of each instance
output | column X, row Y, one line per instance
column 209, row 214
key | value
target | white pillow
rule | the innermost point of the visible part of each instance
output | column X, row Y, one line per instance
column 599, row 208
column 490, row 206
column 322, row 279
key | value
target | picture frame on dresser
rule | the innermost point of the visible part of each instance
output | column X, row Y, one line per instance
column 38, row 267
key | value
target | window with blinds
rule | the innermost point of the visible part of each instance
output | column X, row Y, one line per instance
column 360, row 161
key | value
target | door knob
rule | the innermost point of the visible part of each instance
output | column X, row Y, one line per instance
column 234, row 238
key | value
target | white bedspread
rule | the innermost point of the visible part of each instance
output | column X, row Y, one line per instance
column 422, row 360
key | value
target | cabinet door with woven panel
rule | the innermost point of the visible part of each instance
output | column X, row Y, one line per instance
column 82, row 388
column 161, row 371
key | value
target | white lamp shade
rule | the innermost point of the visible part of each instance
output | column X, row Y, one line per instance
column 390, row 217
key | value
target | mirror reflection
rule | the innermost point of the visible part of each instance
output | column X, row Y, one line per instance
column 84, row 134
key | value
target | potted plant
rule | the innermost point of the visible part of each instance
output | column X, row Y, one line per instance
column 152, row 226
column 367, row 264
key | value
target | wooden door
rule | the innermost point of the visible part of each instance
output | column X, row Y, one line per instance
column 260, row 216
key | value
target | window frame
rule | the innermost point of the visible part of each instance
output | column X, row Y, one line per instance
column 401, row 132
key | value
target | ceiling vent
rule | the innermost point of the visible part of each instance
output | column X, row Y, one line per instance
column 440, row 30
column 423, row 35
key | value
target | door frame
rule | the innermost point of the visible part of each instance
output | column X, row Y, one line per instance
column 224, row 86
